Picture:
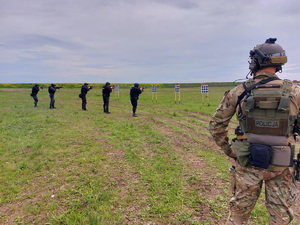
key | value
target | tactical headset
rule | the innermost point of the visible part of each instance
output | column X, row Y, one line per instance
column 266, row 55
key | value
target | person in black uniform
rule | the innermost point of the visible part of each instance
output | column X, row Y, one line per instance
column 52, row 89
column 106, row 93
column 35, row 89
column 84, row 89
column 135, row 91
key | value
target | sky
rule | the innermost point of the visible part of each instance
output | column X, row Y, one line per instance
column 145, row 41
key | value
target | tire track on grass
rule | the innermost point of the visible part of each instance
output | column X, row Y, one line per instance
column 197, row 178
column 196, row 173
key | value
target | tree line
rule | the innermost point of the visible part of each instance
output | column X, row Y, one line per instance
column 121, row 85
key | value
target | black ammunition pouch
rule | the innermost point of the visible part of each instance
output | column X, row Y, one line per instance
column 80, row 96
column 31, row 94
column 260, row 155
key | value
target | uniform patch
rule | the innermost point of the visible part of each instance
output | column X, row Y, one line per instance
column 267, row 123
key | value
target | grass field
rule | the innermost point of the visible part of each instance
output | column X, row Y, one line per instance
column 68, row 166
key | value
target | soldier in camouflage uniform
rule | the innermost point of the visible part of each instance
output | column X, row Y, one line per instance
column 246, row 177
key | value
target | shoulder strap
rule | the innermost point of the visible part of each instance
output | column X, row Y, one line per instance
column 247, row 90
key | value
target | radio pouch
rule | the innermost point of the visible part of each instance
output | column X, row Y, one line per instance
column 31, row 94
column 260, row 155
column 80, row 96
column 241, row 150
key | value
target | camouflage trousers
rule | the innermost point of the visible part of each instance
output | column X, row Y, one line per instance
column 246, row 184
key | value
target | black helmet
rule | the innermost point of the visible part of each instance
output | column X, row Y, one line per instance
column 36, row 85
column 136, row 84
column 266, row 55
column 107, row 83
column 85, row 84
column 53, row 85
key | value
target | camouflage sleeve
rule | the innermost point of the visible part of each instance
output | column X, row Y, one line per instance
column 220, row 120
column 297, row 94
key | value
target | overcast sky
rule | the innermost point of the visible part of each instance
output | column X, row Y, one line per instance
column 146, row 41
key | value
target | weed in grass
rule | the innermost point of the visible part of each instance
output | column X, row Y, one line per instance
column 18, row 221
column 184, row 217
column 23, row 165
column 191, row 178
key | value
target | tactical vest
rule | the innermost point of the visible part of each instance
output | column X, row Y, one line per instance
column 267, row 109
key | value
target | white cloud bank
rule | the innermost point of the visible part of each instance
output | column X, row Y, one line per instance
column 141, row 40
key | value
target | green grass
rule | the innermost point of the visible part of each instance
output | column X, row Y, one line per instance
column 67, row 166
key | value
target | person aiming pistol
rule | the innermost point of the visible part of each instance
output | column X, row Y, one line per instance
column 106, row 90
column 35, row 89
column 135, row 91
column 52, row 89
column 84, row 89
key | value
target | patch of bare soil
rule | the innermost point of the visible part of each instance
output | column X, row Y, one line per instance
column 29, row 201
column 28, row 150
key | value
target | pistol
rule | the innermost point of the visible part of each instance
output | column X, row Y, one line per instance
column 240, row 135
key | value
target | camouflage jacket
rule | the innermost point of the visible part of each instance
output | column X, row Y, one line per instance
column 228, row 107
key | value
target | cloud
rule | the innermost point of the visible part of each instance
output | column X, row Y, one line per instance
column 140, row 40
